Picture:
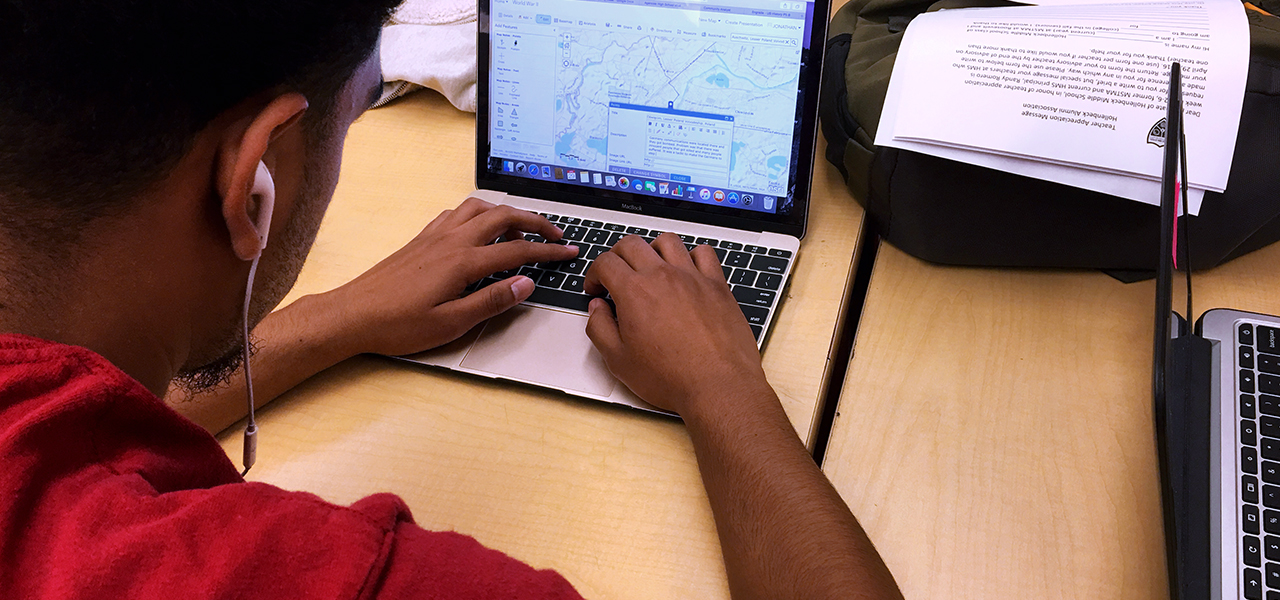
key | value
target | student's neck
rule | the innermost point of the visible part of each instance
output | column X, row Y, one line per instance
column 116, row 309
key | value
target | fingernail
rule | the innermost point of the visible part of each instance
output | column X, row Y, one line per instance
column 522, row 287
column 592, row 308
column 574, row 248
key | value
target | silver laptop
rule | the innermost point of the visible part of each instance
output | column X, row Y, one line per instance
column 619, row 117
column 1245, row 453
column 1217, row 412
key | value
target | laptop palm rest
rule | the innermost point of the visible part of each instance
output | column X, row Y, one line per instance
column 541, row 346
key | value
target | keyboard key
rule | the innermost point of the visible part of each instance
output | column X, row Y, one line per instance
column 615, row 227
column 575, row 267
column 769, row 264
column 727, row 245
column 1268, row 363
column 1272, row 571
column 1271, row 496
column 780, row 253
column 535, row 238
column 1271, row 548
column 596, row 236
column 550, row 217
column 728, row 272
column 1271, row 521
column 689, row 247
column 1250, row 518
column 574, row 233
column 560, row 298
column 1246, row 382
column 707, row 242
column 754, row 314
column 648, row 239
column 592, row 224
column 1269, row 426
column 595, row 252
column 531, row 273
column 743, row 277
column 722, row 254
column 570, row 220
column 1270, row 449
column 1270, row 470
column 755, row 249
column 738, row 259
column 1246, row 358
column 1246, row 334
column 1249, row 406
column 1269, row 384
column 769, row 281
column 1249, row 488
column 1269, row 405
column 1248, row 432
column 753, row 296
column 756, row 331
column 551, row 279
column 573, row 283
column 637, row 231
column 1268, row 339
column 1252, row 551
column 1252, row 584
column 1249, row 460
column 615, row 237
column 687, row 239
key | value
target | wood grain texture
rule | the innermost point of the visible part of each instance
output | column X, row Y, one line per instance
column 994, row 434
column 608, row 496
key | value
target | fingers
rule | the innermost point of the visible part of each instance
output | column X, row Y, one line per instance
column 637, row 252
column 704, row 257
column 509, row 255
column 464, row 313
column 498, row 220
column 671, row 248
column 466, row 211
column 608, row 272
column 602, row 328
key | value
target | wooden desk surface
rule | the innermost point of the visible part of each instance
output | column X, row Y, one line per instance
column 608, row 496
column 994, row 434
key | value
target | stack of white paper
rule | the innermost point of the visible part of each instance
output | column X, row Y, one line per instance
column 1073, row 91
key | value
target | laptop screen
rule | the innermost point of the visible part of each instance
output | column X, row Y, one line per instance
column 704, row 106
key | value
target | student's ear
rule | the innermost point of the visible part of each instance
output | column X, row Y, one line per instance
column 244, row 183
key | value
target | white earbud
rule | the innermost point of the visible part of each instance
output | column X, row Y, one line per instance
column 264, row 188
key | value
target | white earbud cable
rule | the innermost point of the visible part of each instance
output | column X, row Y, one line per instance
column 251, row 430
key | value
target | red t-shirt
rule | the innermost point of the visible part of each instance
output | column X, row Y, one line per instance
column 105, row 492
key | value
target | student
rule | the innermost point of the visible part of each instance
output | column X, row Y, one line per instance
column 140, row 146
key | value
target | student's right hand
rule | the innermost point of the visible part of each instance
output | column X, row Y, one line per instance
column 679, row 340
column 414, row 299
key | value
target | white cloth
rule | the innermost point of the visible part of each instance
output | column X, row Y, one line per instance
column 431, row 43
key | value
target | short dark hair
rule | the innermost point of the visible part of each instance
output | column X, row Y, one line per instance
column 100, row 98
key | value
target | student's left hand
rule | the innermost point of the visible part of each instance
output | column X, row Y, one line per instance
column 413, row 300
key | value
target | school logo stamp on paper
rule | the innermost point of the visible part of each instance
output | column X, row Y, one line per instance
column 1156, row 134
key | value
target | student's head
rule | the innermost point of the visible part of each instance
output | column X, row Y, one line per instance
column 119, row 116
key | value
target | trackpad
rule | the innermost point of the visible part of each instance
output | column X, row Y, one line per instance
column 541, row 346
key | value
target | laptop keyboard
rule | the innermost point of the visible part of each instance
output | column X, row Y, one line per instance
column 1258, row 357
column 754, row 273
